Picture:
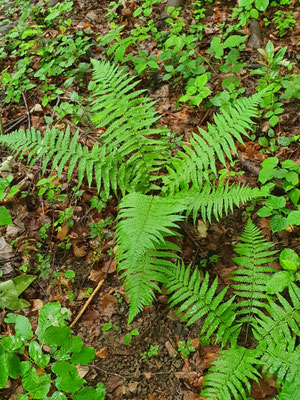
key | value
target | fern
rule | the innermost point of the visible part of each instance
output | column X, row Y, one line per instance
column 281, row 358
column 144, row 222
column 211, row 201
column 130, row 152
column 198, row 299
column 230, row 373
column 253, row 277
column 283, row 318
column 128, row 119
column 198, row 159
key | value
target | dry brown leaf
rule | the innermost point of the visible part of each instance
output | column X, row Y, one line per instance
column 79, row 251
column 82, row 370
column 102, row 353
column 62, row 233
column 37, row 304
column 132, row 386
column 108, row 299
column 172, row 352
column 96, row 275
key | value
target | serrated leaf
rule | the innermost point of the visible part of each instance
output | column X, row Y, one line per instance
column 23, row 328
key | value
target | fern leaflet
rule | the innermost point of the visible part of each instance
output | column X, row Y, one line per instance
column 199, row 299
column 230, row 373
column 283, row 318
column 253, row 277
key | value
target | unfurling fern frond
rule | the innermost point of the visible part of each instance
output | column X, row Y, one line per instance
column 253, row 277
column 128, row 120
column 215, row 201
column 199, row 299
column 198, row 159
column 144, row 222
column 230, row 374
column 281, row 358
column 283, row 318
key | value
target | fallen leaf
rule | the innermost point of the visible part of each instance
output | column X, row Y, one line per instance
column 82, row 370
column 96, row 275
column 172, row 352
column 79, row 251
column 62, row 233
column 202, row 229
column 102, row 353
column 37, row 304
column 6, row 251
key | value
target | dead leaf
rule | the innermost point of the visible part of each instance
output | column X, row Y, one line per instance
column 6, row 251
column 102, row 353
column 79, row 251
column 202, row 229
column 62, row 233
column 82, row 370
column 172, row 352
column 108, row 299
column 37, row 304
column 132, row 386
column 96, row 275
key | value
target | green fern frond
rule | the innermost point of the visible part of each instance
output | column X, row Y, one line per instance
column 144, row 222
column 283, row 318
column 215, row 201
column 63, row 149
column 230, row 374
column 198, row 159
column 252, row 279
column 199, row 299
column 142, row 280
column 281, row 358
column 128, row 120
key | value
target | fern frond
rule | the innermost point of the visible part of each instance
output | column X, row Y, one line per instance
column 281, row 358
column 253, row 277
column 144, row 222
column 283, row 318
column 62, row 149
column 128, row 119
column 198, row 159
column 215, row 201
column 142, row 279
column 230, row 374
column 199, row 299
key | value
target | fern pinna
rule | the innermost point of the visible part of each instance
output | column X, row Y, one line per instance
column 252, row 279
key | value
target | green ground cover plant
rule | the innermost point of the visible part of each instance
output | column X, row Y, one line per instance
column 23, row 355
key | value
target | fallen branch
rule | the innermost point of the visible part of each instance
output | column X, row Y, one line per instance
column 87, row 303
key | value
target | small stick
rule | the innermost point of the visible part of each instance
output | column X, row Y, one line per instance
column 87, row 303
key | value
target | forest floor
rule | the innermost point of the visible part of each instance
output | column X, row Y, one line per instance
column 124, row 370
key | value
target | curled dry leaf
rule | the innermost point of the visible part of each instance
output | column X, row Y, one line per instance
column 102, row 353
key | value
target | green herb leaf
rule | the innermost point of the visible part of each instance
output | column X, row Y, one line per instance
column 37, row 355
column 85, row 356
column 5, row 218
column 278, row 223
column 289, row 260
column 67, row 379
column 88, row 394
column 279, row 281
column 23, row 328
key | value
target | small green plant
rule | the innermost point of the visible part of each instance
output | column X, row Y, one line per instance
column 290, row 262
column 196, row 91
column 52, row 189
column 5, row 218
column 185, row 348
column 11, row 289
column 128, row 337
column 284, row 21
column 275, row 206
column 23, row 355
column 153, row 351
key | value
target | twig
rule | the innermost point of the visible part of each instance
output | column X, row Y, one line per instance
column 12, row 124
column 1, row 126
column 27, row 110
column 87, row 303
